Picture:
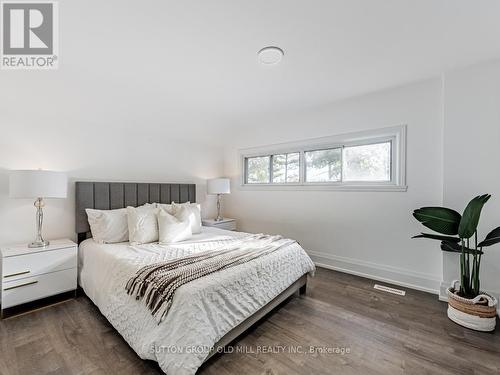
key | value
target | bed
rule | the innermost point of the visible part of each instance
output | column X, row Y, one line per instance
column 206, row 314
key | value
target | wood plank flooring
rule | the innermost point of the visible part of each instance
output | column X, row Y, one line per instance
column 384, row 333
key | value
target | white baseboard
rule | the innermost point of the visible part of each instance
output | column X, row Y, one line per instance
column 388, row 274
column 443, row 296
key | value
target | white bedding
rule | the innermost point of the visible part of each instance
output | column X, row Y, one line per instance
column 202, row 312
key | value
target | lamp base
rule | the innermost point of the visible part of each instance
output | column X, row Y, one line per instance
column 39, row 241
column 219, row 216
column 36, row 244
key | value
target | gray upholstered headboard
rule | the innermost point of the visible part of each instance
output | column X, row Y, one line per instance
column 112, row 195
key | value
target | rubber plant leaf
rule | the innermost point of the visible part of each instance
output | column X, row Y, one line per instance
column 470, row 218
column 457, row 248
column 492, row 238
column 439, row 219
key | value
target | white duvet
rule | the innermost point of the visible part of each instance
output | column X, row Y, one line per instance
column 202, row 312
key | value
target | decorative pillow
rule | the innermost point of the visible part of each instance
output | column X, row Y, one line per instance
column 194, row 217
column 142, row 225
column 108, row 226
column 174, row 228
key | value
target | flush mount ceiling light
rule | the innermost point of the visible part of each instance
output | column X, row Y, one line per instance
column 270, row 55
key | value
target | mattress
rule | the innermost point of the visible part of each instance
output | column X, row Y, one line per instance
column 202, row 311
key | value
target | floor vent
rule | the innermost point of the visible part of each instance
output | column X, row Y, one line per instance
column 390, row 290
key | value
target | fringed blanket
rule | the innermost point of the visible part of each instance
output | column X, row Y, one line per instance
column 157, row 283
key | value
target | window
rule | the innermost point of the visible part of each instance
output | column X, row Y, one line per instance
column 370, row 162
column 286, row 168
column 324, row 165
column 373, row 160
column 258, row 170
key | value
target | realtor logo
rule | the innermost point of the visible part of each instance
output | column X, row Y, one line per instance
column 29, row 35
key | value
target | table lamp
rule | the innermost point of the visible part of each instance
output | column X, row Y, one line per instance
column 38, row 184
column 218, row 186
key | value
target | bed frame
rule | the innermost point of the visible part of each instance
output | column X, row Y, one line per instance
column 114, row 195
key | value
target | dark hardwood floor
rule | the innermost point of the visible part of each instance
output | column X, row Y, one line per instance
column 384, row 334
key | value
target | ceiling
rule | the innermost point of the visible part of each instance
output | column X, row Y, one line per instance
column 186, row 68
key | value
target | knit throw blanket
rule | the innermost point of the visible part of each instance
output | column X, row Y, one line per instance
column 156, row 283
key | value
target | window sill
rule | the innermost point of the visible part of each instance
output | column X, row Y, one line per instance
column 324, row 187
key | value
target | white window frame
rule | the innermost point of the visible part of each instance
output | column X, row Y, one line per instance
column 396, row 135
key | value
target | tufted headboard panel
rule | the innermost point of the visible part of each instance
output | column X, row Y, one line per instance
column 113, row 195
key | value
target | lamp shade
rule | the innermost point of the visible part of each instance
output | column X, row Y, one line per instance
column 218, row 186
column 37, row 184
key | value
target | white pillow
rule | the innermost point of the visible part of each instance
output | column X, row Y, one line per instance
column 166, row 207
column 142, row 224
column 194, row 217
column 174, row 228
column 108, row 226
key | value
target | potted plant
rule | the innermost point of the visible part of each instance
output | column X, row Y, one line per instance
column 467, row 304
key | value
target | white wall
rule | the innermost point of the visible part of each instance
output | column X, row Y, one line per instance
column 472, row 157
column 128, row 157
column 361, row 232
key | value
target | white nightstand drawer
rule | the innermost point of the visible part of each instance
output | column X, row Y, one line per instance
column 33, row 288
column 23, row 266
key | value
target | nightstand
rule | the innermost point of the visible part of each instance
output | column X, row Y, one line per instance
column 227, row 224
column 31, row 274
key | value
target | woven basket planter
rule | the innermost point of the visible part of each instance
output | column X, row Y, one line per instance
column 478, row 313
